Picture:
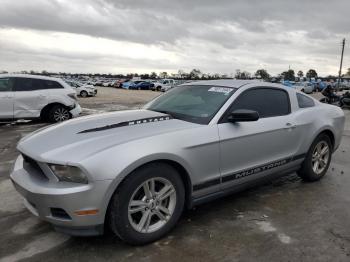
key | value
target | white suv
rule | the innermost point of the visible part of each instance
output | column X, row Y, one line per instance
column 30, row 96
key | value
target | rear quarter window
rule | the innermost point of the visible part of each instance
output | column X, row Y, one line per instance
column 304, row 101
column 52, row 84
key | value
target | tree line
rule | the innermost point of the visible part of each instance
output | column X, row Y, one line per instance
column 194, row 74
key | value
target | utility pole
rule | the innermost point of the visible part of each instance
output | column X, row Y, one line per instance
column 341, row 62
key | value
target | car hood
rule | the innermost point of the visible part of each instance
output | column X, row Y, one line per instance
column 77, row 139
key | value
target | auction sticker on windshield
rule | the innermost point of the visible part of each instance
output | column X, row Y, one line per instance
column 224, row 90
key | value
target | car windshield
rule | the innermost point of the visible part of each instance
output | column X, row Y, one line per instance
column 193, row 103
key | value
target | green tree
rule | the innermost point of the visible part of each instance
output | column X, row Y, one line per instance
column 242, row 75
column 153, row 75
column 348, row 72
column 195, row 74
column 311, row 73
column 163, row 74
column 262, row 73
column 289, row 75
column 300, row 74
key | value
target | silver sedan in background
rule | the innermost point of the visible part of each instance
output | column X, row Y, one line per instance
column 137, row 170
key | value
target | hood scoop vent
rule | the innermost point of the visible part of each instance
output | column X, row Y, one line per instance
column 128, row 123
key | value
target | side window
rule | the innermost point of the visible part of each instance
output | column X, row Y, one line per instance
column 52, row 84
column 304, row 101
column 5, row 85
column 268, row 102
column 23, row 84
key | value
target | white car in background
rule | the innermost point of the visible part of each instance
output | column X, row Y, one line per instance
column 30, row 96
column 307, row 88
column 164, row 85
column 82, row 89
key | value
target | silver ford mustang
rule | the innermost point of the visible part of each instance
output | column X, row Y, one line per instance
column 136, row 170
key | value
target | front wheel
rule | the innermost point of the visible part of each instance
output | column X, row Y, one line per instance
column 58, row 113
column 83, row 94
column 317, row 159
column 147, row 205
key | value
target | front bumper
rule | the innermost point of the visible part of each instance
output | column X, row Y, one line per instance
column 57, row 202
column 92, row 92
column 75, row 111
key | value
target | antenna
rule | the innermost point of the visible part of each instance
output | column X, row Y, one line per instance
column 341, row 63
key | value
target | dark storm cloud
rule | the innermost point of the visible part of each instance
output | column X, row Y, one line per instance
column 167, row 20
column 213, row 35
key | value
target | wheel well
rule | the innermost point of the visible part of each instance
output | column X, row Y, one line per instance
column 330, row 134
column 179, row 168
column 47, row 108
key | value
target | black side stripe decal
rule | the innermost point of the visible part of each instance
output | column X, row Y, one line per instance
column 208, row 183
column 128, row 123
column 248, row 172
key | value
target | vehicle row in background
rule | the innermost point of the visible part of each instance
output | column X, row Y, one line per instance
column 309, row 87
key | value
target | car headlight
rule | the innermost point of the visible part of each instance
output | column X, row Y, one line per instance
column 69, row 174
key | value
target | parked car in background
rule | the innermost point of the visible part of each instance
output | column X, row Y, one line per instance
column 81, row 89
column 195, row 143
column 127, row 84
column 31, row 96
column 119, row 83
column 164, row 85
column 307, row 88
column 130, row 84
column 142, row 86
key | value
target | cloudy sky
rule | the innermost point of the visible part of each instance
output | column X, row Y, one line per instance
column 120, row 36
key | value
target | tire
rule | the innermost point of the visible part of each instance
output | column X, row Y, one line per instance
column 58, row 113
column 159, row 88
column 317, row 157
column 127, row 225
column 83, row 94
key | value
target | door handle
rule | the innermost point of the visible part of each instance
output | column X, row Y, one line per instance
column 290, row 126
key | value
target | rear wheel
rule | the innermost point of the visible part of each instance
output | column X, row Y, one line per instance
column 317, row 160
column 147, row 205
column 58, row 113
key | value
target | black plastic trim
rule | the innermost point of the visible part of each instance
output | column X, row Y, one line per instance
column 247, row 172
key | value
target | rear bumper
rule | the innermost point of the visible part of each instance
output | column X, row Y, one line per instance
column 58, row 202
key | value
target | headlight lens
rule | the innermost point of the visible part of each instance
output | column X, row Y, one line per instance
column 69, row 174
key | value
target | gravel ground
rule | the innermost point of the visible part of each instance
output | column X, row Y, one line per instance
column 111, row 99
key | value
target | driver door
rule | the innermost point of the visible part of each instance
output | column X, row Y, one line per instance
column 250, row 150
column 6, row 99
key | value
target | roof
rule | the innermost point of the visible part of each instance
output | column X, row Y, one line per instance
column 224, row 82
column 30, row 76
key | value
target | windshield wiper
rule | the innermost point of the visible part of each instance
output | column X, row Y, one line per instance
column 165, row 112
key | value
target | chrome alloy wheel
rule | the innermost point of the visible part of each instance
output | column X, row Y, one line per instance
column 152, row 205
column 61, row 114
column 320, row 157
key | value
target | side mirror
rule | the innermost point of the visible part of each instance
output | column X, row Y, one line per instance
column 243, row 115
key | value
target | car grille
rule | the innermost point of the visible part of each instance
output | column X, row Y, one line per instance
column 32, row 164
